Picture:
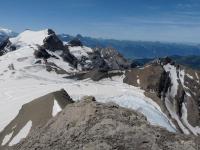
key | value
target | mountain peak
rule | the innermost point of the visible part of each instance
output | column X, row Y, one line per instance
column 29, row 37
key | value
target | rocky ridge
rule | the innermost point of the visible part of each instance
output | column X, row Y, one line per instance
column 174, row 88
column 88, row 124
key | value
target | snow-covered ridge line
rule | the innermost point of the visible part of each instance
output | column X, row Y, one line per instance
column 29, row 37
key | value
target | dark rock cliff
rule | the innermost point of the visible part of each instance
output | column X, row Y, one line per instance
column 174, row 88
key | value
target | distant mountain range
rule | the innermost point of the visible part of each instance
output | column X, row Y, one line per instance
column 191, row 61
column 5, row 33
column 141, row 51
column 138, row 49
column 130, row 49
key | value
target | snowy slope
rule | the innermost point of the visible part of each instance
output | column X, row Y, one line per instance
column 29, row 37
column 23, row 63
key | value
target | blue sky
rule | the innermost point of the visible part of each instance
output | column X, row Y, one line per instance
column 151, row 20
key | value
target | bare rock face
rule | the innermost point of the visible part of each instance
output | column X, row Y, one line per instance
column 75, row 42
column 5, row 46
column 175, row 88
column 114, row 59
column 106, row 59
column 4, row 43
column 68, row 57
column 52, row 42
column 147, row 78
column 100, row 58
column 98, row 62
column 91, row 125
column 101, row 63
column 41, row 53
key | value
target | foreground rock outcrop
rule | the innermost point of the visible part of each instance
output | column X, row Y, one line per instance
column 95, row 75
column 88, row 124
column 36, row 112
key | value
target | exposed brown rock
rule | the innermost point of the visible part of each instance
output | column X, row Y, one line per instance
column 91, row 125
column 148, row 76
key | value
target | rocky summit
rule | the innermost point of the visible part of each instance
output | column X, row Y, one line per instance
column 87, row 124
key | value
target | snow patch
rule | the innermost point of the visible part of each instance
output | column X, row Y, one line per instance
column 56, row 108
column 7, row 138
column 197, row 77
column 188, row 94
column 22, row 134
column 191, row 77
column 138, row 81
